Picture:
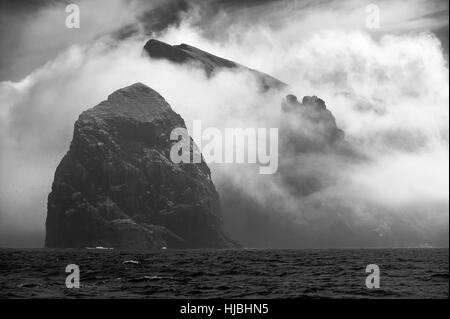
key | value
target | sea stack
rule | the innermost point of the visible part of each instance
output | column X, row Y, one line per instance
column 117, row 187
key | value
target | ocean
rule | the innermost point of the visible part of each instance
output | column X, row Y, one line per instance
column 243, row 273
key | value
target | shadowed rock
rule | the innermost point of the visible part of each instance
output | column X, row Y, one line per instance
column 309, row 125
column 117, row 187
column 210, row 63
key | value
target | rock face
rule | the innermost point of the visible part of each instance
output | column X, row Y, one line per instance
column 311, row 148
column 310, row 126
column 308, row 130
column 184, row 53
column 117, row 187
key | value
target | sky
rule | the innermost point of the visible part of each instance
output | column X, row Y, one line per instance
column 387, row 88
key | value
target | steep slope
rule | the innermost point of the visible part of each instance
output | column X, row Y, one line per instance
column 309, row 143
column 298, row 214
column 117, row 186
column 184, row 53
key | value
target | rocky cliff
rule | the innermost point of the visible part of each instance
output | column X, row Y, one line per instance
column 210, row 63
column 117, row 187
column 310, row 142
column 309, row 126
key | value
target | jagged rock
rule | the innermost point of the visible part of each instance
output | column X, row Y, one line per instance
column 210, row 63
column 309, row 126
column 308, row 129
column 117, row 187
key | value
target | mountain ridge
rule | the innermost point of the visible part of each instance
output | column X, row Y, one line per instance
column 210, row 63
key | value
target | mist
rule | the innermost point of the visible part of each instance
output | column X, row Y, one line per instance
column 388, row 90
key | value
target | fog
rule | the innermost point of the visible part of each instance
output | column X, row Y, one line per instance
column 387, row 88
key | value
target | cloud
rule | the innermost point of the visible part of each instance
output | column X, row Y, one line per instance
column 40, row 33
column 388, row 92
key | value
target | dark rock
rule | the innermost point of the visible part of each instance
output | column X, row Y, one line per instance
column 309, row 126
column 308, row 130
column 210, row 63
column 310, row 150
column 117, row 187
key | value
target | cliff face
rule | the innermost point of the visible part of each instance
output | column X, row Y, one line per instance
column 309, row 143
column 117, row 187
column 311, row 147
column 210, row 63
column 309, row 126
